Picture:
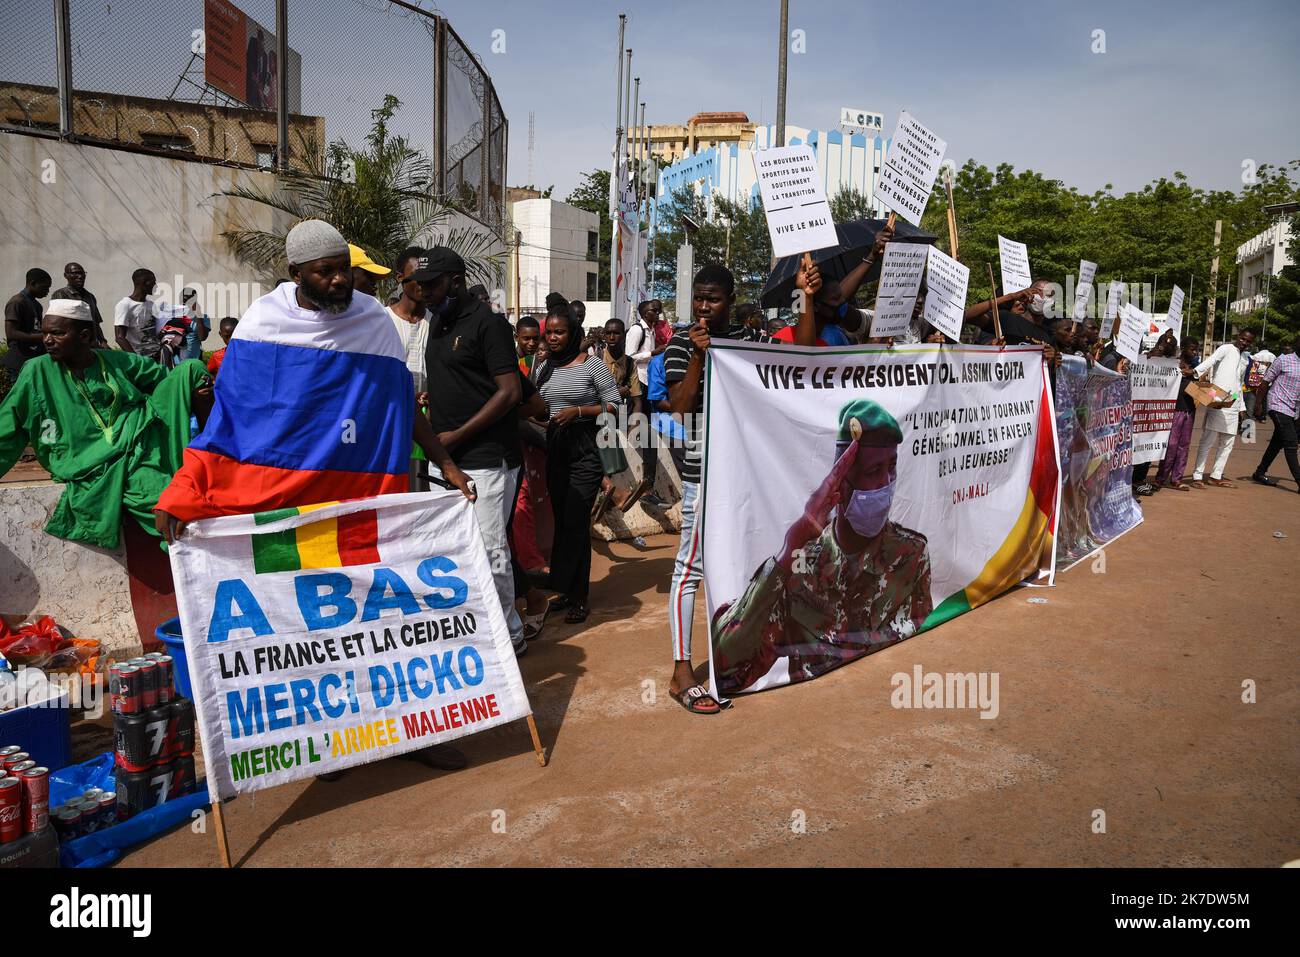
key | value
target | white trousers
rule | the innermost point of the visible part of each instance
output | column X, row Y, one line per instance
column 1209, row 438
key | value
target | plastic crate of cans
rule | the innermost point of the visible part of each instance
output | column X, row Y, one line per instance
column 24, row 796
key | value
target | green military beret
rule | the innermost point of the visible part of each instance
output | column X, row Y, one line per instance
column 868, row 421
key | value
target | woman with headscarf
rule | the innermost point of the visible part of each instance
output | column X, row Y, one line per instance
column 577, row 388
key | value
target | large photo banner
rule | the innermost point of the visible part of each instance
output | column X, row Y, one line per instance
column 1154, row 383
column 854, row 497
column 1094, row 424
column 323, row 637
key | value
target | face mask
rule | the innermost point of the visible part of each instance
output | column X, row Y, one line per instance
column 842, row 310
column 1036, row 305
column 868, row 510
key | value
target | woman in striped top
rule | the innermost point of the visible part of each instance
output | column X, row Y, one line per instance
column 577, row 389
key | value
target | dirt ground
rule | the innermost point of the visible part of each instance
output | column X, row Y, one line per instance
column 1121, row 694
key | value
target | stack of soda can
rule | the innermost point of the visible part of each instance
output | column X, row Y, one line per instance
column 24, row 795
column 153, row 734
column 94, row 810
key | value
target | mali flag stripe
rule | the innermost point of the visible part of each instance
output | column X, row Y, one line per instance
column 351, row 539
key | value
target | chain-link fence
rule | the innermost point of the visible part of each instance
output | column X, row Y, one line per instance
column 202, row 78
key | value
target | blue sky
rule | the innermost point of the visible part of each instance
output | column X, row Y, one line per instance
column 1192, row 86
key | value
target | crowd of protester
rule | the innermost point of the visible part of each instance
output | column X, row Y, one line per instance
column 516, row 417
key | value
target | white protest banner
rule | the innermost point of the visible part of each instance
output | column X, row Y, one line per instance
column 1132, row 327
column 907, row 177
column 1113, row 297
column 798, row 216
column 968, row 510
column 1155, row 384
column 1083, row 292
column 900, row 281
column 327, row 636
column 1015, row 265
column 945, row 298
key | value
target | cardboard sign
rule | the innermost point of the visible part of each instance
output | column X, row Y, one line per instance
column 1015, row 265
column 900, row 280
column 798, row 216
column 1113, row 297
column 1132, row 327
column 911, row 165
column 945, row 300
column 1083, row 292
column 1176, row 312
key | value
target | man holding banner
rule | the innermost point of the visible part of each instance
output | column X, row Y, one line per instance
column 840, row 588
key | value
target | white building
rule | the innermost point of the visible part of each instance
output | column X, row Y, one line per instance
column 1261, row 257
column 848, row 161
column 556, row 253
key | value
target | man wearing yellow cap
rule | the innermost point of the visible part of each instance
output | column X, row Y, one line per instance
column 365, row 271
column 842, row 586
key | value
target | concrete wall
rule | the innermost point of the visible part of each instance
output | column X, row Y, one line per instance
column 114, row 211
column 553, row 254
column 86, row 589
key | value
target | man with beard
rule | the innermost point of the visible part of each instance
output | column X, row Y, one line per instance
column 309, row 365
column 842, row 586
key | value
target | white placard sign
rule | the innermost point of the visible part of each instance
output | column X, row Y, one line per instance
column 1083, row 292
column 798, row 216
column 945, row 300
column 1176, row 311
column 1015, row 265
column 900, row 280
column 907, row 177
column 1113, row 297
column 1132, row 327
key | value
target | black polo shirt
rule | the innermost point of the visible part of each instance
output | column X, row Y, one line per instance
column 467, row 349
column 24, row 312
column 86, row 296
column 1017, row 329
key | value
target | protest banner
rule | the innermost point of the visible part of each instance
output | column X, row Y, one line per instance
column 1175, row 314
column 900, row 282
column 1132, row 327
column 1094, row 425
column 907, row 176
column 1014, row 257
column 1154, row 385
column 945, row 297
column 965, row 512
column 1113, row 296
column 1083, row 292
column 794, row 200
column 323, row 637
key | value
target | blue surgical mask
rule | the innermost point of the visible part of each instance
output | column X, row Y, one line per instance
column 868, row 509
column 842, row 310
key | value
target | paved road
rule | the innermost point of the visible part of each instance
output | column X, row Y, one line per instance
column 1122, row 694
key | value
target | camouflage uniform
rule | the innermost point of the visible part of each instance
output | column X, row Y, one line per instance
column 835, row 608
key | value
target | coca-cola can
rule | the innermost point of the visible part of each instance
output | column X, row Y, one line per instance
column 3, row 773
column 16, row 770
column 12, row 758
column 11, row 809
column 149, row 674
column 36, row 799
column 166, row 676
column 8, row 750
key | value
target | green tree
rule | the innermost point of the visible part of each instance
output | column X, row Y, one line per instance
column 735, row 235
column 377, row 197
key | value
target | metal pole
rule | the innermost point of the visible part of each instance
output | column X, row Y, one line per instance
column 634, row 140
column 1227, row 310
column 618, row 89
column 627, row 107
column 282, row 84
column 63, row 57
column 440, row 108
column 780, row 73
column 641, row 165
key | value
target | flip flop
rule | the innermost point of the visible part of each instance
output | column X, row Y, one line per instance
column 1222, row 483
column 1180, row 487
column 695, row 700
column 1197, row 483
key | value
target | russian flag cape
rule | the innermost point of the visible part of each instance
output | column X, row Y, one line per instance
column 310, row 407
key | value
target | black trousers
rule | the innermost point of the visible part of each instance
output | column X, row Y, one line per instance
column 1284, row 441
column 650, row 445
column 573, row 474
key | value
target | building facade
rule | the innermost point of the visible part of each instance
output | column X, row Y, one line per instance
column 1262, row 257
column 703, row 131
column 848, row 161
column 556, row 253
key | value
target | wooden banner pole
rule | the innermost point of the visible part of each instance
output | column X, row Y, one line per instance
column 223, row 846
column 952, row 214
column 993, row 303
column 537, row 741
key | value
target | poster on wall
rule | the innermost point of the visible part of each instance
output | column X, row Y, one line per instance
column 241, row 58
column 887, row 491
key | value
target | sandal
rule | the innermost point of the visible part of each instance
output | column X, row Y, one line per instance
column 696, row 700
column 1180, row 487
column 1197, row 483
column 1222, row 483
column 577, row 614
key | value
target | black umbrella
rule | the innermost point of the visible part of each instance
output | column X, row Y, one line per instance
column 836, row 262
